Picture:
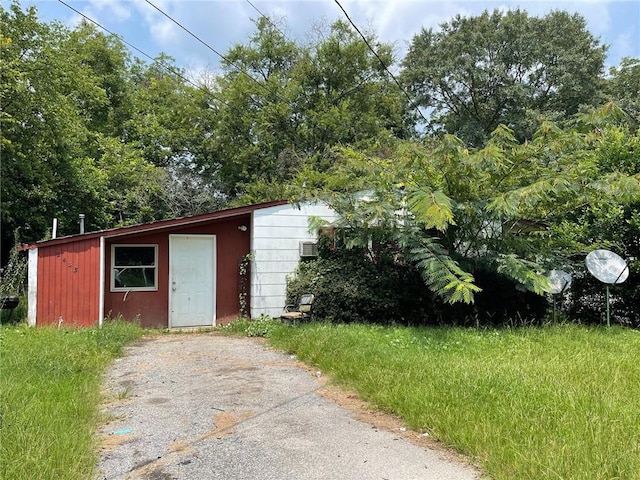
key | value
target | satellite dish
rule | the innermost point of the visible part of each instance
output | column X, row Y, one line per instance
column 560, row 281
column 607, row 266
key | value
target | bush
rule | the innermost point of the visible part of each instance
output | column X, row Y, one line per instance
column 587, row 301
column 501, row 302
column 350, row 287
column 17, row 315
column 615, row 229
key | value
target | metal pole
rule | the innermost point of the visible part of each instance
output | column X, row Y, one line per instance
column 608, row 318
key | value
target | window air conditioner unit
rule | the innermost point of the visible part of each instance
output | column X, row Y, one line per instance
column 308, row 249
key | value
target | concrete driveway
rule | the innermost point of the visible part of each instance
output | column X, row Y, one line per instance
column 200, row 406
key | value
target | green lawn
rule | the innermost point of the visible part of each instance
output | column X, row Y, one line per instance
column 550, row 403
column 558, row 402
column 50, row 398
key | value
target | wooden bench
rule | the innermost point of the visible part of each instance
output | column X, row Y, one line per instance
column 302, row 311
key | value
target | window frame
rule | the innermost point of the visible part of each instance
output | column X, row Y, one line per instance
column 153, row 288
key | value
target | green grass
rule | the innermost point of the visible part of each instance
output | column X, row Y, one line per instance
column 559, row 402
column 50, row 398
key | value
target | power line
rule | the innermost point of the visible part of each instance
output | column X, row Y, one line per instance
column 166, row 67
column 411, row 102
column 119, row 37
column 239, row 70
column 163, row 65
column 189, row 32
column 268, row 19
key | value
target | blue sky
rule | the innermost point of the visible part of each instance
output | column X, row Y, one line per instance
column 223, row 23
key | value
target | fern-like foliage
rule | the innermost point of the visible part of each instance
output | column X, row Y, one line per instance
column 524, row 272
column 438, row 270
column 432, row 208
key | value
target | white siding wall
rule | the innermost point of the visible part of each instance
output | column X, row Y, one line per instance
column 275, row 243
column 32, row 289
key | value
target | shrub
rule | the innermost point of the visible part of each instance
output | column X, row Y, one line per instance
column 501, row 302
column 350, row 287
column 587, row 300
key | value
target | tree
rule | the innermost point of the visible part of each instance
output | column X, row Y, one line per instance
column 458, row 213
column 108, row 62
column 170, row 123
column 607, row 223
column 64, row 96
column 43, row 131
column 623, row 87
column 476, row 73
column 282, row 105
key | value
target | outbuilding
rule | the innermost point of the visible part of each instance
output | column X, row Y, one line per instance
column 196, row 271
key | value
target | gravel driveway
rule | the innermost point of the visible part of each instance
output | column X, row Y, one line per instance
column 202, row 406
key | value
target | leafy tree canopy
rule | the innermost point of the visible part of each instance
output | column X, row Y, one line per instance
column 623, row 87
column 509, row 68
column 505, row 207
column 65, row 99
column 282, row 104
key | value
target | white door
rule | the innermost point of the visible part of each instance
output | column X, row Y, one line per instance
column 192, row 273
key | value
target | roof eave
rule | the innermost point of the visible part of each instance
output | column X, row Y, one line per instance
column 155, row 226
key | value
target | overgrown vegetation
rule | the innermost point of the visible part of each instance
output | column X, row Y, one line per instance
column 525, row 163
column 358, row 285
column 473, row 219
column 13, row 279
column 50, row 398
column 258, row 327
column 525, row 403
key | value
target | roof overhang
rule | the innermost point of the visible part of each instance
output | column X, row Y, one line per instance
column 157, row 225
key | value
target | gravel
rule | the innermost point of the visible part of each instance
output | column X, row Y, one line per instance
column 202, row 406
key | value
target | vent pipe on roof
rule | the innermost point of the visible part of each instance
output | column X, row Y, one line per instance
column 81, row 223
column 54, row 231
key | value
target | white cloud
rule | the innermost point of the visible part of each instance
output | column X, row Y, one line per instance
column 114, row 8
column 224, row 23
column 162, row 29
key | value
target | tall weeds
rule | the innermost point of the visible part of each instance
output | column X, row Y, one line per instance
column 558, row 402
column 50, row 398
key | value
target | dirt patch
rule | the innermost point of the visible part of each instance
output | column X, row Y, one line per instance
column 109, row 442
column 385, row 421
column 224, row 424
column 182, row 447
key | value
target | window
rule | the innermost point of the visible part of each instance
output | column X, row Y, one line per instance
column 134, row 267
column 334, row 236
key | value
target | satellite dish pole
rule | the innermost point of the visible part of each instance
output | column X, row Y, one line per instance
column 610, row 269
column 559, row 281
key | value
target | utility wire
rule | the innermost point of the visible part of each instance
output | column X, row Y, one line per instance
column 166, row 67
column 229, row 62
column 119, row 37
column 342, row 94
column 411, row 102
column 268, row 19
column 190, row 32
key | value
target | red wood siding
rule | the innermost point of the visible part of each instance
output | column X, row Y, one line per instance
column 152, row 308
column 68, row 283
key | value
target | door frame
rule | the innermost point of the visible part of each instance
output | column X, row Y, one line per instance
column 172, row 239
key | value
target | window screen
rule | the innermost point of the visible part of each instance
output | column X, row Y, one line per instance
column 134, row 267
